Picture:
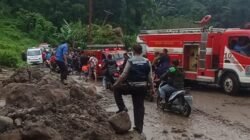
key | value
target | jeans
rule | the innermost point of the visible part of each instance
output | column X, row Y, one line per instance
column 166, row 91
column 138, row 95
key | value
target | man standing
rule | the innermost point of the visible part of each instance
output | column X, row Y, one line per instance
column 110, row 67
column 61, row 60
column 137, row 74
column 163, row 63
column 93, row 61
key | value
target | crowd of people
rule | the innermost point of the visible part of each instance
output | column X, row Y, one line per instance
column 136, row 74
column 65, row 61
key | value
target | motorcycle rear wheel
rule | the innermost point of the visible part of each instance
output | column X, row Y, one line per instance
column 158, row 102
column 186, row 109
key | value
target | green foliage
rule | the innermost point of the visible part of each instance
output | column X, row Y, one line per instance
column 9, row 58
column 129, row 41
column 106, row 35
column 77, row 33
column 37, row 26
column 65, row 33
column 43, row 20
column 167, row 22
column 12, row 42
column 132, row 15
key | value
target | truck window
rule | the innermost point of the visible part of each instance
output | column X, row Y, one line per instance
column 240, row 44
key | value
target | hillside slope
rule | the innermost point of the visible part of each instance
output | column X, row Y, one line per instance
column 12, row 43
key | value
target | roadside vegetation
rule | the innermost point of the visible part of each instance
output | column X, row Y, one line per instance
column 24, row 24
column 12, row 42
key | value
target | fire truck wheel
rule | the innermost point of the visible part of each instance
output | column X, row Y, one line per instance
column 230, row 84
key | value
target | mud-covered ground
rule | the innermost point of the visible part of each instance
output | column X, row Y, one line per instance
column 35, row 105
column 215, row 116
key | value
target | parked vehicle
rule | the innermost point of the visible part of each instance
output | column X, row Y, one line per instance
column 34, row 56
column 102, row 51
column 212, row 56
column 179, row 101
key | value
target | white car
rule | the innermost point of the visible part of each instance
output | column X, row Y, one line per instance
column 34, row 56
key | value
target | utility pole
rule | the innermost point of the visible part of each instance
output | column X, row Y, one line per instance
column 90, row 21
column 108, row 13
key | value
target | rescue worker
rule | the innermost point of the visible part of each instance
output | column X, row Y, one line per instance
column 62, row 60
column 174, row 78
column 163, row 63
column 134, row 80
column 110, row 67
column 156, row 60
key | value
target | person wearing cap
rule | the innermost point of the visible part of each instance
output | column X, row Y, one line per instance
column 134, row 81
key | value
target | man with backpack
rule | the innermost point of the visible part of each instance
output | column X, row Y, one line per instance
column 110, row 67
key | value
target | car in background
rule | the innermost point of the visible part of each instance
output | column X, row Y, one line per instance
column 101, row 52
column 34, row 56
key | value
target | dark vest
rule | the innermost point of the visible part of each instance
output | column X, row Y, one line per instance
column 139, row 70
column 111, row 66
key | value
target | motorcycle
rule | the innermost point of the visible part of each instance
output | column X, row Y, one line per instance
column 178, row 102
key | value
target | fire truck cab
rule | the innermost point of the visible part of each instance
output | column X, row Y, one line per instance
column 215, row 55
column 102, row 51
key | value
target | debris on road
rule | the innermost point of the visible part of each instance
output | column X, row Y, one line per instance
column 5, row 122
column 120, row 122
column 43, row 108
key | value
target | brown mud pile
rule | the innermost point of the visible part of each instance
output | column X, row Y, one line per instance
column 44, row 109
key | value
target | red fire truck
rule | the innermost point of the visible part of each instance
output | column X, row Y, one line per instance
column 102, row 51
column 216, row 56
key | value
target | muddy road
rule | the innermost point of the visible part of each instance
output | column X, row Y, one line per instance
column 215, row 116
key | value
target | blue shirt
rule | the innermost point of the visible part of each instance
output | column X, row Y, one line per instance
column 239, row 48
column 48, row 56
column 61, row 51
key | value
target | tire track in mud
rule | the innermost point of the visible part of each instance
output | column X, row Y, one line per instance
column 169, row 126
column 228, row 123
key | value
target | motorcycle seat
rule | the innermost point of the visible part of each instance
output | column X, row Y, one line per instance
column 179, row 92
column 163, row 84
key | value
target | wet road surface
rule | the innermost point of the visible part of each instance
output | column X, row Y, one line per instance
column 215, row 116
